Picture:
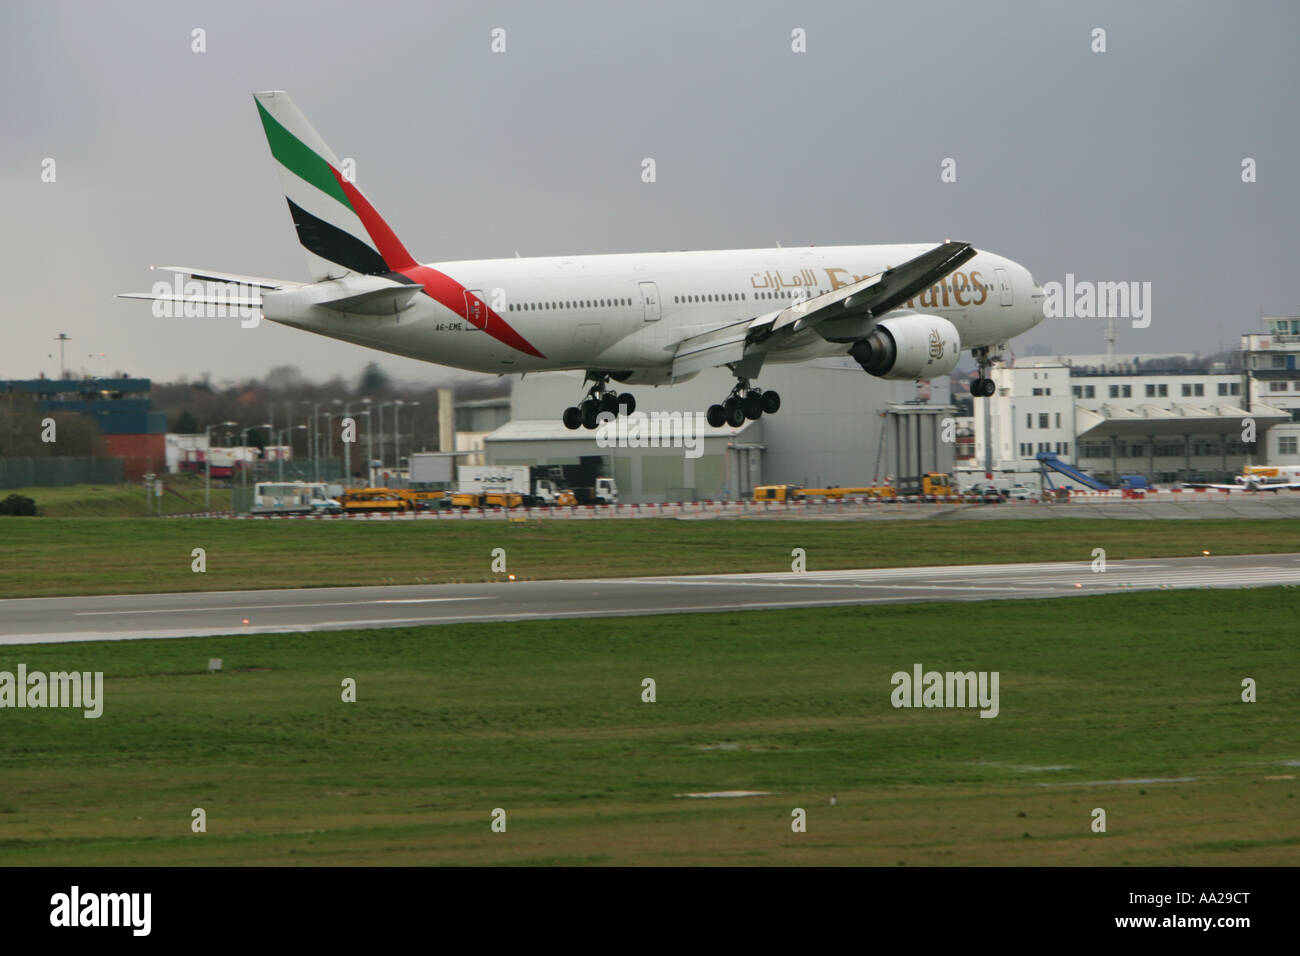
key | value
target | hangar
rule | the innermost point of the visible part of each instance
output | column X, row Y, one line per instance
column 837, row 426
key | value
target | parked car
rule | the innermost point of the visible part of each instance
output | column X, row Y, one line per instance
column 988, row 496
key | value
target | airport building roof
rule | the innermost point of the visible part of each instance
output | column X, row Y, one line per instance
column 1175, row 419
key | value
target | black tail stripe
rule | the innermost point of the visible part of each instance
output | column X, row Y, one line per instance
column 330, row 242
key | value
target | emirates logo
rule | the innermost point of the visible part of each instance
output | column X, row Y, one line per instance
column 936, row 345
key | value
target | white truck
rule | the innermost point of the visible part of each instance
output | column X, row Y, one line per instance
column 536, row 484
column 293, row 497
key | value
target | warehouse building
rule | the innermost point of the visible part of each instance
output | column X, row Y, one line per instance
column 129, row 428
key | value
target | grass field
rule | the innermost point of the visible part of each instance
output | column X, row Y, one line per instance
column 48, row 556
column 545, row 720
column 183, row 494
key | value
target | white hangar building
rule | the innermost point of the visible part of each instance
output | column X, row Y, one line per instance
column 837, row 426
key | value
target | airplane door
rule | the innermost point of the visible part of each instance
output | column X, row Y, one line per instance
column 475, row 311
column 650, row 301
column 1005, row 282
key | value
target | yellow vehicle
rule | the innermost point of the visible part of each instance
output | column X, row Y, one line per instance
column 488, row 499
column 777, row 493
column 795, row 493
column 938, row 484
column 374, row 499
column 865, row 491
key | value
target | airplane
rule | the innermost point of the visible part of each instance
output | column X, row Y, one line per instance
column 902, row 311
column 1259, row 478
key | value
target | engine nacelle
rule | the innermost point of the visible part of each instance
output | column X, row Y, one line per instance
column 911, row 346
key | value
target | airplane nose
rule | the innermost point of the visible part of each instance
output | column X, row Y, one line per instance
column 1037, row 300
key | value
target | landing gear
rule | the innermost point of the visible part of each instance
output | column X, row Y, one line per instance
column 600, row 399
column 983, row 386
column 744, row 403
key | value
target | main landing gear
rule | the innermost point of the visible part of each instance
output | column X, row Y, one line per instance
column 983, row 386
column 600, row 398
column 743, row 403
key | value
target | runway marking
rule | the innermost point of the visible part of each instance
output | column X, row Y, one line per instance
column 814, row 584
column 276, row 607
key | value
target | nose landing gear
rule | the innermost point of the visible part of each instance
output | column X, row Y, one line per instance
column 983, row 386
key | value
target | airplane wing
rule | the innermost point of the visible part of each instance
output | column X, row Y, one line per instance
column 841, row 315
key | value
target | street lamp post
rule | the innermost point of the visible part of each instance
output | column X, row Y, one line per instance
column 280, row 442
column 370, row 443
column 347, row 446
column 397, row 436
column 207, row 462
column 315, row 450
column 382, row 458
column 328, row 443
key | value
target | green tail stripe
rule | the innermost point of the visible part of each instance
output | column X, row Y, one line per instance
column 299, row 158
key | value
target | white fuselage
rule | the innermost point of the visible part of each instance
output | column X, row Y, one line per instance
column 627, row 312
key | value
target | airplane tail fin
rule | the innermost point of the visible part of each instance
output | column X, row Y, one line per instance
column 338, row 228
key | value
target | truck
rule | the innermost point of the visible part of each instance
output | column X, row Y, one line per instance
column 797, row 493
column 509, row 486
column 777, row 492
column 581, row 484
column 932, row 484
column 357, row 500
column 293, row 497
column 497, row 486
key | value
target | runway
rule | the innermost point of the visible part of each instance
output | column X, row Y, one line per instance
column 198, row 614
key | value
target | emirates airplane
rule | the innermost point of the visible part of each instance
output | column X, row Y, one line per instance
column 901, row 311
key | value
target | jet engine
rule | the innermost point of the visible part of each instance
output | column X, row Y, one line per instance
column 909, row 346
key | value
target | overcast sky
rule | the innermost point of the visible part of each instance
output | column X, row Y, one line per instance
column 1123, row 165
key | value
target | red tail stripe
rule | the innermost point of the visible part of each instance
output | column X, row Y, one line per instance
column 441, row 288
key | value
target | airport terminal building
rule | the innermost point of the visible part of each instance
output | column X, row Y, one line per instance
column 1185, row 425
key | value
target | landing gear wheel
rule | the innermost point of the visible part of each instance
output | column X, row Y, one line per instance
column 771, row 403
column 572, row 418
column 989, row 388
column 735, row 415
column 730, row 403
column 609, row 403
column 716, row 416
column 752, row 406
column 590, row 409
column 627, row 403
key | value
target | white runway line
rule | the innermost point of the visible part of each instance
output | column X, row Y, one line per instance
column 275, row 607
